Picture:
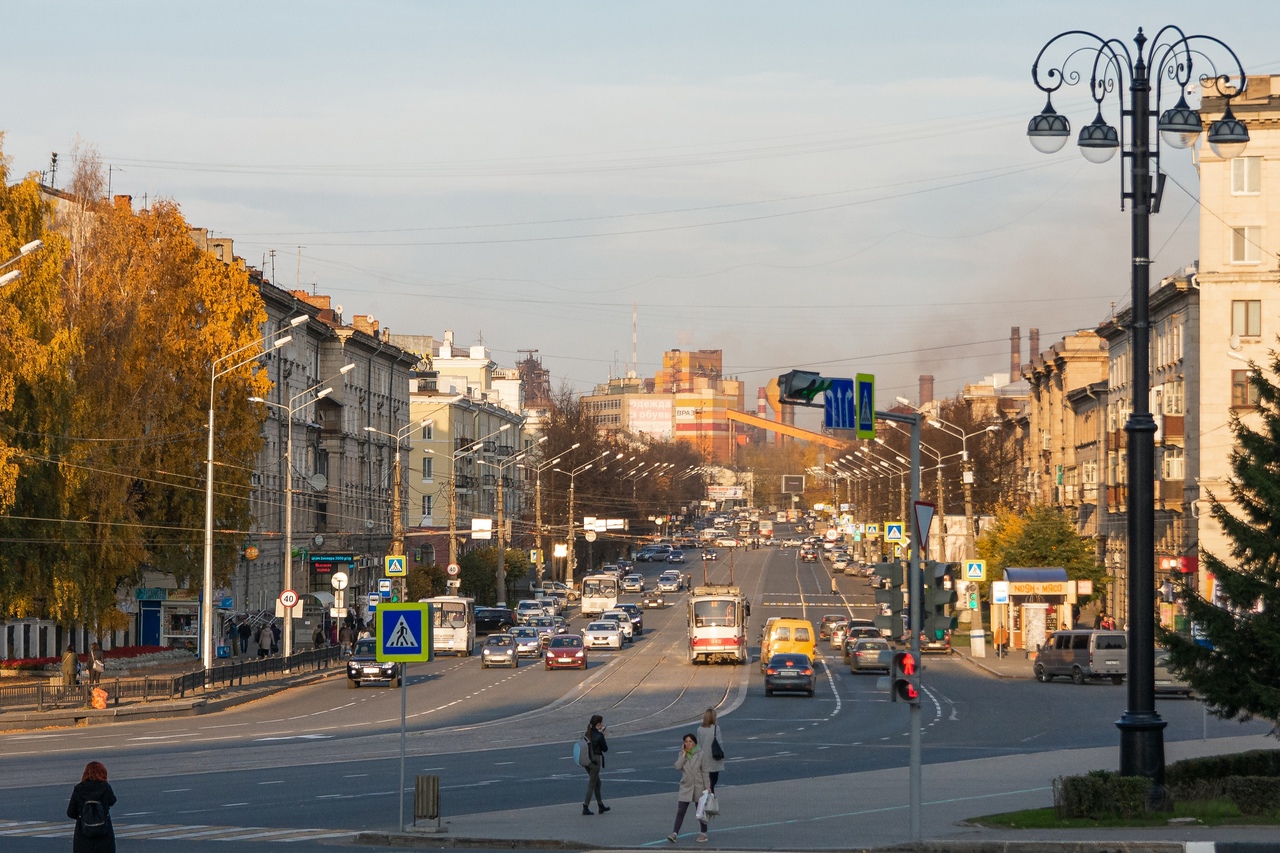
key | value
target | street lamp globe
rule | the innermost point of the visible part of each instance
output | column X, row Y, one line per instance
column 1098, row 140
column 1180, row 125
column 1048, row 131
column 1228, row 136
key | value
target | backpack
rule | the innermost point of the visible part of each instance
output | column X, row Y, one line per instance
column 93, row 820
column 580, row 755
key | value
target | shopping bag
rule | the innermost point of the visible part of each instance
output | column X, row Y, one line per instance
column 712, row 805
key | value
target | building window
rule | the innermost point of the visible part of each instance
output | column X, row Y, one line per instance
column 1089, row 472
column 428, row 431
column 428, row 467
column 426, row 506
column 1246, row 243
column 1172, row 465
column 1244, row 394
column 1246, row 176
column 1172, row 398
column 1246, row 318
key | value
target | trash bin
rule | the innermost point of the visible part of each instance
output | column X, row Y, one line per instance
column 426, row 798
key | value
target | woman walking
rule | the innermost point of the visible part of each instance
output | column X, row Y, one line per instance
column 97, row 663
column 709, row 736
column 693, row 781
column 90, row 808
column 597, row 746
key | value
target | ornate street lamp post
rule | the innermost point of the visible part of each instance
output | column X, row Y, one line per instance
column 1168, row 58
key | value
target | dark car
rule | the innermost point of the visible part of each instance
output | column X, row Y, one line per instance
column 363, row 665
column 566, row 652
column 710, row 554
column 792, row 673
column 808, row 555
column 824, row 625
column 935, row 643
column 494, row 620
column 636, row 614
column 499, row 650
column 653, row 599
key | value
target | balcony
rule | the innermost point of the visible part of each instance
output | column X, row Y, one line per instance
column 461, row 441
column 505, row 450
column 1170, row 493
column 1174, row 426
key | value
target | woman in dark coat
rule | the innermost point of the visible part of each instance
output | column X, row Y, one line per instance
column 93, row 786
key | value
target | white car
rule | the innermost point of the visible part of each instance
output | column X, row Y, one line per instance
column 633, row 583
column 669, row 583
column 602, row 635
column 727, row 542
column 624, row 623
column 841, row 563
column 528, row 609
column 791, row 543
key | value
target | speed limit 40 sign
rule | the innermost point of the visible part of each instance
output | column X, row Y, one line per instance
column 288, row 598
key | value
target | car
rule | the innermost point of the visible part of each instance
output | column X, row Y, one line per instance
column 825, row 623
column 726, row 542
column 1167, row 683
column 789, row 672
column 935, row 645
column 791, row 542
column 545, row 626
column 636, row 614
column 653, row 600
column 567, row 652
column 868, row 653
column 528, row 609
column 626, row 566
column 494, row 620
column 602, row 635
column 841, row 563
column 808, row 555
column 623, row 619
column 710, row 554
column 853, row 633
column 558, row 588
column 676, row 556
column 670, row 582
column 632, row 583
column 528, row 641
column 363, row 665
column 838, row 632
column 499, row 650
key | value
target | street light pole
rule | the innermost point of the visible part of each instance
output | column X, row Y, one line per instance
column 537, row 505
column 396, row 546
column 1170, row 57
column 277, row 339
column 453, row 498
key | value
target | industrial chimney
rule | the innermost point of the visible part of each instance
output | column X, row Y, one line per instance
column 1033, row 344
column 1015, row 353
column 926, row 389
column 762, row 403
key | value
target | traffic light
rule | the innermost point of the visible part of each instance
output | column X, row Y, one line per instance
column 905, row 674
column 889, row 596
column 397, row 590
column 939, row 593
column 802, row 387
column 893, row 572
column 973, row 596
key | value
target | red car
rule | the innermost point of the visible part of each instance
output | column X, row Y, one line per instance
column 566, row 652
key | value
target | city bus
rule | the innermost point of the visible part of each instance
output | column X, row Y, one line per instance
column 599, row 593
column 453, row 624
column 718, row 624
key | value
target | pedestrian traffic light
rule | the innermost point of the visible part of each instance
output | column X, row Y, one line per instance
column 905, row 679
column 397, row 590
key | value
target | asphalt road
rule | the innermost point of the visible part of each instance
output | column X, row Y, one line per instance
column 312, row 764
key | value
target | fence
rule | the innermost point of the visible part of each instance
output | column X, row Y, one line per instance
column 42, row 695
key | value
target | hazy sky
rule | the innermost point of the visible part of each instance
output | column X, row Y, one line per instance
column 840, row 185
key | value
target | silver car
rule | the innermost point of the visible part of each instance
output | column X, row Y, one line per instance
column 870, row 654
column 528, row 641
column 602, row 635
column 499, row 650
column 625, row 624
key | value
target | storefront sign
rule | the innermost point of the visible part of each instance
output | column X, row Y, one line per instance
column 1053, row 588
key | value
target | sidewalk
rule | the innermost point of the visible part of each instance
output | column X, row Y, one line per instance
column 1014, row 664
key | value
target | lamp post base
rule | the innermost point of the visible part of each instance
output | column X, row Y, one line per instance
column 1142, row 745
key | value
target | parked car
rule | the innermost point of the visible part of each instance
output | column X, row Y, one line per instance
column 567, row 652
column 569, row 593
column 528, row 641
column 490, row 620
column 625, row 624
column 654, row 599
column 602, row 635
column 636, row 614
column 499, row 650
column 363, row 665
column 1084, row 656
column 632, row 583
column 868, row 654
column 840, row 564
column 789, row 672
column 1168, row 684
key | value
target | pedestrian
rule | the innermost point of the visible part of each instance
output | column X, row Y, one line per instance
column 317, row 639
column 694, row 780
column 345, row 638
column 709, row 733
column 90, row 808
column 97, row 663
column 245, row 632
column 835, row 588
column 597, row 746
column 1002, row 641
column 365, row 632
column 276, row 631
column 333, row 633
column 265, row 638
column 70, row 666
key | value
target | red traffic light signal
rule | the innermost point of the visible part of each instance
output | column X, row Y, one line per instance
column 905, row 672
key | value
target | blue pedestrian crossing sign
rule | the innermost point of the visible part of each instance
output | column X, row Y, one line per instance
column 866, row 400
column 840, row 410
column 394, row 565
column 403, row 632
column 975, row 570
column 893, row 532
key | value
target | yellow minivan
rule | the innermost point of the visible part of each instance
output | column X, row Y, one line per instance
column 788, row 637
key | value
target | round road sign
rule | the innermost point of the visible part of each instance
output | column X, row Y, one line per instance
column 288, row 598
column 832, row 534
column 590, row 536
column 339, row 580
column 251, row 552
column 453, row 570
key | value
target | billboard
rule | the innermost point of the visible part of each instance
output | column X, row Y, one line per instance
column 726, row 493
column 792, row 484
column 650, row 416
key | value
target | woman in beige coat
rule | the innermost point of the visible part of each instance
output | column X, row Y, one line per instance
column 692, row 764
column 707, row 732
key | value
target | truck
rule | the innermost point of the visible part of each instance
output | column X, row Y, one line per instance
column 717, row 618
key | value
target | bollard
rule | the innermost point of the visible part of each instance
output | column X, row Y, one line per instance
column 426, row 799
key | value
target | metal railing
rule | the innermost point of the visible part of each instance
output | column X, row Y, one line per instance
column 43, row 695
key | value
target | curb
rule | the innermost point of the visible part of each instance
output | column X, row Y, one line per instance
column 982, row 666
column 430, row 838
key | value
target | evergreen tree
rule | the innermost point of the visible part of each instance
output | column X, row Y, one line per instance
column 1238, row 671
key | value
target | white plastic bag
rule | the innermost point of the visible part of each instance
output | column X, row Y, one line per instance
column 707, row 806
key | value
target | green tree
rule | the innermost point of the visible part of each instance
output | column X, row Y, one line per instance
column 1238, row 671
column 479, row 574
column 1042, row 536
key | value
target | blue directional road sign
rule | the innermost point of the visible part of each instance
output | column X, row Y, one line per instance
column 866, row 396
column 841, row 410
column 404, row 632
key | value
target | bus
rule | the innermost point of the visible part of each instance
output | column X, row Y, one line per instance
column 718, row 624
column 599, row 593
column 453, row 624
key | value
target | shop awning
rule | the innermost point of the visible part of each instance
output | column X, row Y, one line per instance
column 1041, row 575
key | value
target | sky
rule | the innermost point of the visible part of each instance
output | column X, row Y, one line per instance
column 836, row 186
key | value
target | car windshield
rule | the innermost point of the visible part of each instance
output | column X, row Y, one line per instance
column 715, row 612
column 524, row 632
column 603, row 626
column 566, row 643
column 498, row 640
column 789, row 661
column 617, row 616
column 366, row 647
column 448, row 614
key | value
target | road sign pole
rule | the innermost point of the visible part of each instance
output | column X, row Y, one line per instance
column 404, row 702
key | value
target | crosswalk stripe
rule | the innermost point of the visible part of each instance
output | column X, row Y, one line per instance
column 173, row 832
